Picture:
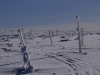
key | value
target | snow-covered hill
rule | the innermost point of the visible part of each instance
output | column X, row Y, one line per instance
column 60, row 59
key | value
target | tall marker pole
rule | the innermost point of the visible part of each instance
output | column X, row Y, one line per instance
column 78, row 29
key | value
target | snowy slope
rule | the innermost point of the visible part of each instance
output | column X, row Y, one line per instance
column 61, row 59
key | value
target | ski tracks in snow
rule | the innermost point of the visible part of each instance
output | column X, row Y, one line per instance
column 76, row 67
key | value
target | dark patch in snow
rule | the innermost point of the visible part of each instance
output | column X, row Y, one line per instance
column 64, row 40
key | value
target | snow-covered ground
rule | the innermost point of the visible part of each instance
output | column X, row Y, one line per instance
column 60, row 59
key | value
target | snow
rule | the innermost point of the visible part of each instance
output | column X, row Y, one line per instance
column 60, row 59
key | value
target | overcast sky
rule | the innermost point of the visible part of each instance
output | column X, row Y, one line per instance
column 49, row 14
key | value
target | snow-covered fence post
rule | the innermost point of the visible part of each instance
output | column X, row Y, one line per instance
column 26, row 57
column 23, row 48
column 50, row 37
column 22, row 41
column 22, row 37
column 82, row 36
column 23, row 34
column 78, row 29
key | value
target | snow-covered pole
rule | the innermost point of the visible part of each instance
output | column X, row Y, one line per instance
column 22, row 40
column 78, row 29
column 23, row 35
column 82, row 36
column 50, row 37
column 19, row 33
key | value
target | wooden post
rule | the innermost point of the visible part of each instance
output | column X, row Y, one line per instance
column 50, row 37
column 78, row 29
